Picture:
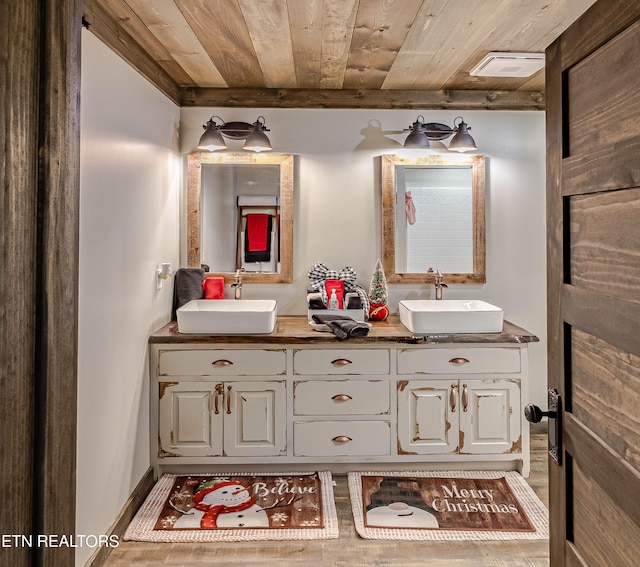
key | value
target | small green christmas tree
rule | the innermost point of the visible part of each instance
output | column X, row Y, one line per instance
column 378, row 291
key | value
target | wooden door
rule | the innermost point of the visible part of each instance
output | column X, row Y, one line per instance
column 593, row 223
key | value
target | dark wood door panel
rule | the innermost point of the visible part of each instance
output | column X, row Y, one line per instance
column 608, row 167
column 604, row 240
column 618, row 543
column 601, row 93
column 601, row 316
column 603, row 390
column 605, row 467
column 601, row 138
column 590, row 32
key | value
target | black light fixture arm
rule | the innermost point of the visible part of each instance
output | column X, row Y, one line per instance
column 262, row 123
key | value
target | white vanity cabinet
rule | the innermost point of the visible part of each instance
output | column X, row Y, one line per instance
column 217, row 402
column 300, row 400
column 462, row 401
column 458, row 416
column 203, row 419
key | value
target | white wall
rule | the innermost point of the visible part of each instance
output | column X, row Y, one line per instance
column 129, row 223
column 337, row 210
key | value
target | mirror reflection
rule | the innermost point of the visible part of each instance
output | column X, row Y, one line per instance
column 240, row 210
column 433, row 217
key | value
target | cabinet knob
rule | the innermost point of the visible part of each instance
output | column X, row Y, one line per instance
column 341, row 398
column 340, row 362
column 221, row 362
column 459, row 361
column 341, row 439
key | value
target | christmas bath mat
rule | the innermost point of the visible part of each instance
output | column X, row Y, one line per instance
column 237, row 507
column 469, row 505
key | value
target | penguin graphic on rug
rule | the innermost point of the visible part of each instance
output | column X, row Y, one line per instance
column 396, row 506
column 224, row 504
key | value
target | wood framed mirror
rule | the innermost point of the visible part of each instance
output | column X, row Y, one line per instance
column 447, row 196
column 230, row 196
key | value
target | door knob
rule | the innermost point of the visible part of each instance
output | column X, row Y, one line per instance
column 534, row 414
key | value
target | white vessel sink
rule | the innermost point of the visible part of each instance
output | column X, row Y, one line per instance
column 427, row 316
column 228, row 316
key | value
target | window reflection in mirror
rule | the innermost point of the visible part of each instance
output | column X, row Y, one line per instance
column 433, row 217
column 240, row 214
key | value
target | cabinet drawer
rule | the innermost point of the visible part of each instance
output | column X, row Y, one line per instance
column 496, row 360
column 335, row 438
column 341, row 397
column 222, row 362
column 347, row 361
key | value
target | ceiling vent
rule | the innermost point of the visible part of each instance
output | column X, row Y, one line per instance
column 503, row 64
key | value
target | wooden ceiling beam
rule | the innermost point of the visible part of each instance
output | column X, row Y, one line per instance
column 360, row 98
column 99, row 22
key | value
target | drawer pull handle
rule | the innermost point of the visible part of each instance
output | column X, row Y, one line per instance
column 453, row 398
column 341, row 398
column 228, row 399
column 458, row 361
column 340, row 362
column 341, row 439
column 221, row 362
column 465, row 398
column 219, row 392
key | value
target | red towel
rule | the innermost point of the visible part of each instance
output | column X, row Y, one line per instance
column 257, row 232
column 213, row 287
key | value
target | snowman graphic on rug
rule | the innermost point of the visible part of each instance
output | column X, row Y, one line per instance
column 225, row 504
column 395, row 505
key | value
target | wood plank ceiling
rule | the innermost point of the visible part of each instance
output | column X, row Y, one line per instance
column 332, row 53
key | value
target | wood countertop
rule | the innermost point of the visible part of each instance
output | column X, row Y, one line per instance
column 294, row 329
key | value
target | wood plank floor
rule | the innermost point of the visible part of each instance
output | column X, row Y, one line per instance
column 349, row 550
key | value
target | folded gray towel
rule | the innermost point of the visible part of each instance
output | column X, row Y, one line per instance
column 342, row 326
column 187, row 285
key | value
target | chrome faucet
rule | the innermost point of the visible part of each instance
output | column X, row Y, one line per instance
column 237, row 284
column 437, row 281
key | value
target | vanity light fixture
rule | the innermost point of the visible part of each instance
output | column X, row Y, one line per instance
column 421, row 133
column 254, row 135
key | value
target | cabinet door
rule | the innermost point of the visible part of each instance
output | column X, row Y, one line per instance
column 255, row 419
column 188, row 424
column 490, row 416
column 427, row 417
